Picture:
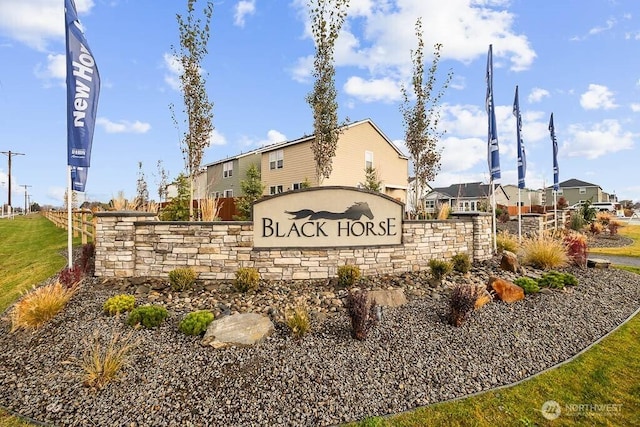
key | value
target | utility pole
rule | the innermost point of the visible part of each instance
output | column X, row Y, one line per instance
column 25, row 196
column 9, row 154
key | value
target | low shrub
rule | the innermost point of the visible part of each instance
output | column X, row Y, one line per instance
column 439, row 269
column 298, row 321
column 462, row 302
column 182, row 279
column 461, row 263
column 362, row 313
column 613, row 227
column 529, row 285
column 196, row 323
column 40, row 305
column 576, row 222
column 557, row 280
column 596, row 228
column 87, row 258
column 101, row 362
column 348, row 275
column 70, row 277
column 506, row 242
column 603, row 218
column 576, row 244
column 148, row 316
column 119, row 304
column 247, row 279
column 544, row 252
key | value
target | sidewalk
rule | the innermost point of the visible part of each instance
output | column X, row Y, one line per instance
column 618, row 259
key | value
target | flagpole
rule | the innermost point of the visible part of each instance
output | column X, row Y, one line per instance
column 519, row 218
column 555, row 209
column 69, row 219
column 493, row 222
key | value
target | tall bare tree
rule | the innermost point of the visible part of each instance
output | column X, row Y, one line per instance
column 421, row 118
column 327, row 18
column 194, row 37
column 162, row 180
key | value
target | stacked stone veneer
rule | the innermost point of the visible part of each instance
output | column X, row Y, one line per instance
column 536, row 224
column 133, row 244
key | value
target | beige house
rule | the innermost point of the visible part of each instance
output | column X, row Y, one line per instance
column 286, row 165
column 528, row 197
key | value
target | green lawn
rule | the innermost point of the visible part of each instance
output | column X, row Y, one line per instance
column 631, row 231
column 609, row 374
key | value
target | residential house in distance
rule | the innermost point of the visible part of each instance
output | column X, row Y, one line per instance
column 575, row 191
column 466, row 197
column 411, row 189
column 528, row 197
column 286, row 165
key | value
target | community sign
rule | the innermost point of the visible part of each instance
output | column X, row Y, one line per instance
column 327, row 217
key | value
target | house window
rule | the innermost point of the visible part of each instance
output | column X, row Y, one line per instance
column 275, row 189
column 297, row 185
column 276, row 159
column 228, row 193
column 582, row 190
column 559, row 191
column 216, row 195
column 227, row 169
column 368, row 159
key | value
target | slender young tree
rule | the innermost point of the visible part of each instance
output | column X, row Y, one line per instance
column 162, row 181
column 327, row 17
column 142, row 190
column 194, row 37
column 252, row 189
column 421, row 118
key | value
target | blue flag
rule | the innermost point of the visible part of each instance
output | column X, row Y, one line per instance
column 522, row 158
column 554, row 141
column 83, row 89
column 78, row 178
column 493, row 152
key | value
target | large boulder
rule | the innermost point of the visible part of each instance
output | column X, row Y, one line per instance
column 509, row 262
column 388, row 297
column 505, row 291
column 243, row 329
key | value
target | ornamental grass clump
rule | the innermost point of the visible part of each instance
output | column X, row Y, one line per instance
column 439, row 269
column 182, row 279
column 196, row 322
column 101, row 362
column 247, row 279
column 298, row 321
column 119, row 304
column 529, row 285
column 40, row 305
column 362, row 313
column 544, row 252
column 461, row 263
column 462, row 302
column 348, row 275
column 505, row 241
column 147, row 316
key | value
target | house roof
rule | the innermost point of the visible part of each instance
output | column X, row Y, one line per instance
column 467, row 190
column 307, row 138
column 571, row 183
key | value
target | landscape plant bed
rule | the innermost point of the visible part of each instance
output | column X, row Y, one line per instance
column 413, row 357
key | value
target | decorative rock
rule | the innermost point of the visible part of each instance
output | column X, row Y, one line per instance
column 505, row 290
column 388, row 298
column 243, row 329
column 509, row 262
column 598, row 263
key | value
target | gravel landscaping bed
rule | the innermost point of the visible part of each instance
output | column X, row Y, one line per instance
column 412, row 357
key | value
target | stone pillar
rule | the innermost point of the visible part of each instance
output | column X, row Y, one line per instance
column 482, row 242
column 115, row 242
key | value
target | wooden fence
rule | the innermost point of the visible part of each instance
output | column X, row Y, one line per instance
column 83, row 222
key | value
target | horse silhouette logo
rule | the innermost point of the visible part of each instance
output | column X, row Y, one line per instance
column 353, row 212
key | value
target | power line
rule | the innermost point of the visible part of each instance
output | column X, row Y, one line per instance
column 10, row 154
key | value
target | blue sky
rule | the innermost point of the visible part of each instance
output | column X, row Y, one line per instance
column 575, row 58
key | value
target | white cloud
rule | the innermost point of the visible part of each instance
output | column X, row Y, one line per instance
column 597, row 97
column 123, row 126
column 537, row 94
column 174, row 70
column 635, row 107
column 55, row 69
column 243, row 8
column 602, row 138
column 217, row 138
column 36, row 22
column 272, row 137
column 373, row 90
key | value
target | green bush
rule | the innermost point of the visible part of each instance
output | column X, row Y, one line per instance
column 196, row 323
column 553, row 279
column 148, row 316
column 569, row 279
column 348, row 275
column 119, row 304
column 181, row 279
column 529, row 285
column 247, row 279
column 461, row 263
column 439, row 268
